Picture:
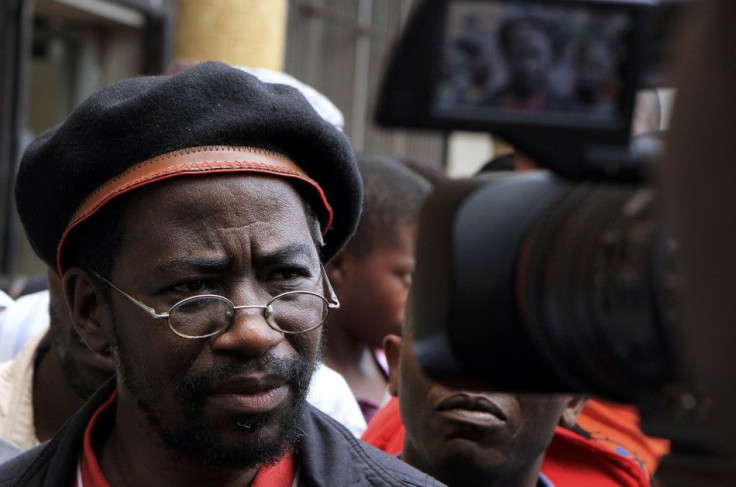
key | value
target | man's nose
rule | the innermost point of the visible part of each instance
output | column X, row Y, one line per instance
column 249, row 334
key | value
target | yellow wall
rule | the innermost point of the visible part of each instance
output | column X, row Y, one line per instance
column 244, row 32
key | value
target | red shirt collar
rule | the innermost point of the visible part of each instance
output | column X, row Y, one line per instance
column 89, row 473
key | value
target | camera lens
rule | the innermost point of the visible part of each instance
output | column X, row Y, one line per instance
column 533, row 283
column 593, row 284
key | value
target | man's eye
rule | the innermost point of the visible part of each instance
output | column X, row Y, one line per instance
column 288, row 274
column 190, row 287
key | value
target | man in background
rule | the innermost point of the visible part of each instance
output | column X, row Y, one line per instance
column 50, row 379
column 471, row 438
column 483, row 438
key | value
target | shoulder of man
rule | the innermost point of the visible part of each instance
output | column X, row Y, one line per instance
column 17, row 467
column 8, row 451
column 331, row 455
column 52, row 464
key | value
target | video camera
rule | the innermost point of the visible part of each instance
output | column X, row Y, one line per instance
column 559, row 281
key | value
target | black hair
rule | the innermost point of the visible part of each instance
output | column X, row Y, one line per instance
column 432, row 174
column 509, row 25
column 392, row 196
column 470, row 44
column 504, row 162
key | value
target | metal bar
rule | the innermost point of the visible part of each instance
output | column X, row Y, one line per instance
column 339, row 18
column 106, row 10
column 316, row 32
column 399, row 143
column 144, row 6
column 159, row 35
column 361, row 80
column 405, row 7
column 15, row 34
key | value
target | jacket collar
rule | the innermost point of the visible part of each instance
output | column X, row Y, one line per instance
column 331, row 455
column 56, row 464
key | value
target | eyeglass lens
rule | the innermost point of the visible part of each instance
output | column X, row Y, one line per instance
column 296, row 312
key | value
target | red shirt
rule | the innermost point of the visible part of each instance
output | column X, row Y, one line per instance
column 89, row 473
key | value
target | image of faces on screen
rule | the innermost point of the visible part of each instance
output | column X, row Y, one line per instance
column 532, row 58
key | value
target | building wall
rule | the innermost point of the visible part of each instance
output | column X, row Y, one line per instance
column 76, row 47
column 340, row 47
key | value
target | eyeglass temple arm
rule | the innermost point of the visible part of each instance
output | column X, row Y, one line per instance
column 333, row 303
column 142, row 306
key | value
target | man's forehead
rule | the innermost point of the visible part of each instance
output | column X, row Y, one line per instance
column 193, row 198
column 217, row 262
column 210, row 222
column 199, row 188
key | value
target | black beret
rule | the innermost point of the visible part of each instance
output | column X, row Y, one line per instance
column 138, row 119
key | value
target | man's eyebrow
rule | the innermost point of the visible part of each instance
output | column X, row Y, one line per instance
column 190, row 263
column 298, row 250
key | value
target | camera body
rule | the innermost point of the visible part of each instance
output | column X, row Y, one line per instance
column 530, row 282
column 558, row 281
column 571, row 280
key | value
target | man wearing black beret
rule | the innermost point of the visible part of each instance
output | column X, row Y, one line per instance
column 189, row 218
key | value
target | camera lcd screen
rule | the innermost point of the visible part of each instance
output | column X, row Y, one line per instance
column 533, row 62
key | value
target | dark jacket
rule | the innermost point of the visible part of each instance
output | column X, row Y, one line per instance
column 329, row 455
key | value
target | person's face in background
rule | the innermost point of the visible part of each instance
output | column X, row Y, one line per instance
column 595, row 68
column 83, row 370
column 529, row 56
column 373, row 288
column 468, row 59
column 472, row 437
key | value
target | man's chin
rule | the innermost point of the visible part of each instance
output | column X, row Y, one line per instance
column 239, row 442
column 241, row 436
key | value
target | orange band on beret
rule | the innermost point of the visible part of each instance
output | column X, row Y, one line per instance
column 196, row 160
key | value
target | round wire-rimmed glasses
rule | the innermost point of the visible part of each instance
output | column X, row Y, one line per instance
column 206, row 315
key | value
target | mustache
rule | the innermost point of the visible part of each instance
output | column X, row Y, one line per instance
column 296, row 372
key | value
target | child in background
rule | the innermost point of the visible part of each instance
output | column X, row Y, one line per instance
column 372, row 275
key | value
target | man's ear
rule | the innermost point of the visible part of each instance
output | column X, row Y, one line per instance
column 88, row 307
column 572, row 410
column 392, row 348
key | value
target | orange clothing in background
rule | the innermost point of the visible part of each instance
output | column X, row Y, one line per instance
column 573, row 460
column 386, row 431
column 617, row 425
